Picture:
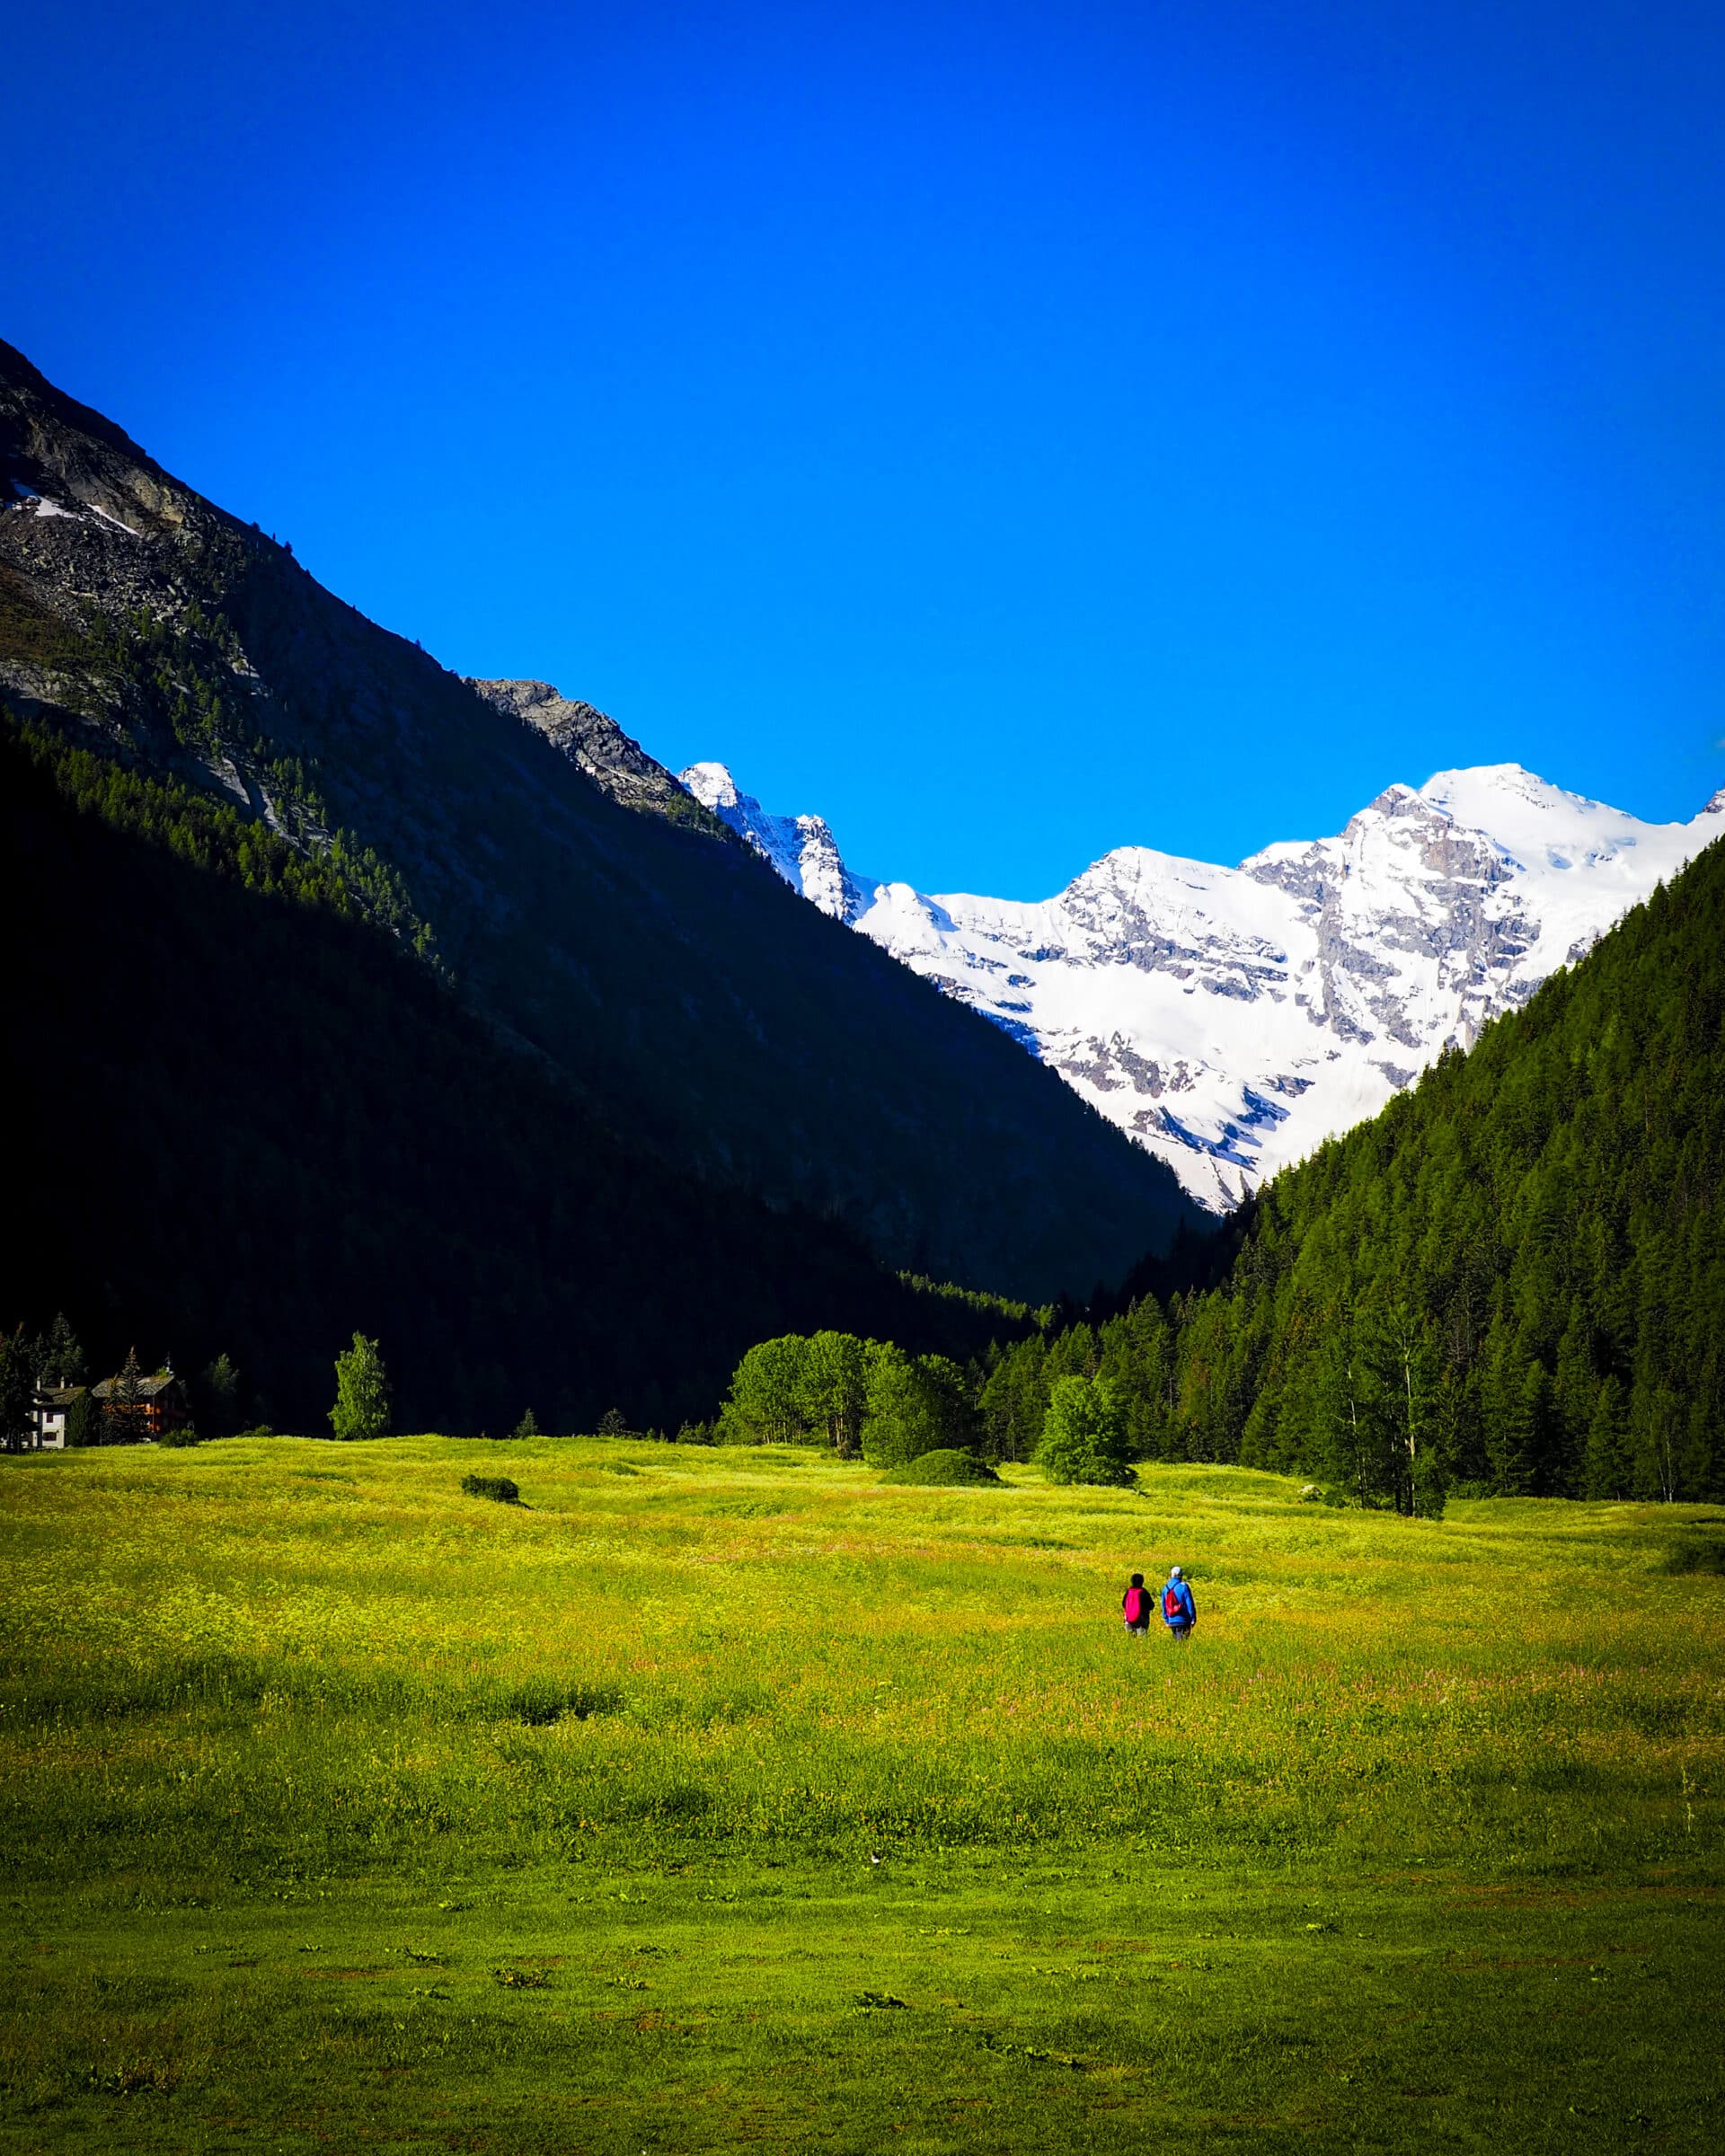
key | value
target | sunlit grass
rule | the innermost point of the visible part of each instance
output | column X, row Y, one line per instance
column 268, row 1675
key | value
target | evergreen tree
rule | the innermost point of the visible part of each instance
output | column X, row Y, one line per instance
column 1356, row 1438
column 1407, row 1468
column 1015, row 1399
column 62, row 1360
column 361, row 1407
column 527, row 1427
column 1137, row 1360
column 128, row 1416
column 216, row 1395
column 82, row 1420
column 17, row 1391
column 1513, row 1388
column 1575, row 1387
column 1605, row 1466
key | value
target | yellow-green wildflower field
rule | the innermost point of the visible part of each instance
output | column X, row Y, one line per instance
column 713, row 1799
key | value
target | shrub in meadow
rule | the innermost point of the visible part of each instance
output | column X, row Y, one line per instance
column 946, row 1469
column 498, row 1487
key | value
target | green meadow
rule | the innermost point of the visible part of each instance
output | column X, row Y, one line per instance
column 731, row 1799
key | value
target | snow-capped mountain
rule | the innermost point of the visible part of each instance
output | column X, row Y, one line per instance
column 1231, row 1019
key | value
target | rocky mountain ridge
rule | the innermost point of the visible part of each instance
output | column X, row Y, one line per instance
column 597, row 745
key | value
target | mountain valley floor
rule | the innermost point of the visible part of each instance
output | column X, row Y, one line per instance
column 714, row 1799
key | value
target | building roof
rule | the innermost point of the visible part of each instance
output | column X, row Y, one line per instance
column 147, row 1387
column 58, row 1396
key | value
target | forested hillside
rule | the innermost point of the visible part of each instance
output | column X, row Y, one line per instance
column 246, row 1119
column 1513, row 1280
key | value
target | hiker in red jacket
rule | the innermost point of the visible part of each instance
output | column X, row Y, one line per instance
column 1135, row 1606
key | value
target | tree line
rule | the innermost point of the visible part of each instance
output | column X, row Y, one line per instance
column 868, row 1400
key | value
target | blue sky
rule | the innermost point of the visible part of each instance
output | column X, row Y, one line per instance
column 1011, row 430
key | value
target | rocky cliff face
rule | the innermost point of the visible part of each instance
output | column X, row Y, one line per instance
column 597, row 745
column 1230, row 1020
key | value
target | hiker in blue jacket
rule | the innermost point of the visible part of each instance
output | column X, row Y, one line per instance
column 1179, row 1611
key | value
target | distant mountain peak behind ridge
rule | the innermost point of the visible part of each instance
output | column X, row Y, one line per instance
column 802, row 848
column 1231, row 1019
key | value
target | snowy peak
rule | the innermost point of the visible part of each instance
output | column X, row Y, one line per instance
column 801, row 848
column 1231, row 1019
column 712, row 786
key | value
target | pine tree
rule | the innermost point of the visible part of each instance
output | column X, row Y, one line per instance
column 83, row 1421
column 1575, row 1387
column 361, row 1407
column 218, row 1398
column 17, row 1392
column 62, row 1356
column 128, row 1420
column 1605, row 1464
column 1015, row 1400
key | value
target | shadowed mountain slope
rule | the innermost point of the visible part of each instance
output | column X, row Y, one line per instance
column 251, row 1124
column 694, row 1001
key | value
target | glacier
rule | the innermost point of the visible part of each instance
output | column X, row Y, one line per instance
column 1232, row 1019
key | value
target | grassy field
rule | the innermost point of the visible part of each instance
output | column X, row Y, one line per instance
column 713, row 1799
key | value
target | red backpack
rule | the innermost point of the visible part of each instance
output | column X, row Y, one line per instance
column 1135, row 1605
column 1172, row 1607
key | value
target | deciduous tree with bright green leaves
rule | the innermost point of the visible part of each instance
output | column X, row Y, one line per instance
column 1084, row 1436
column 916, row 1406
column 361, row 1407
